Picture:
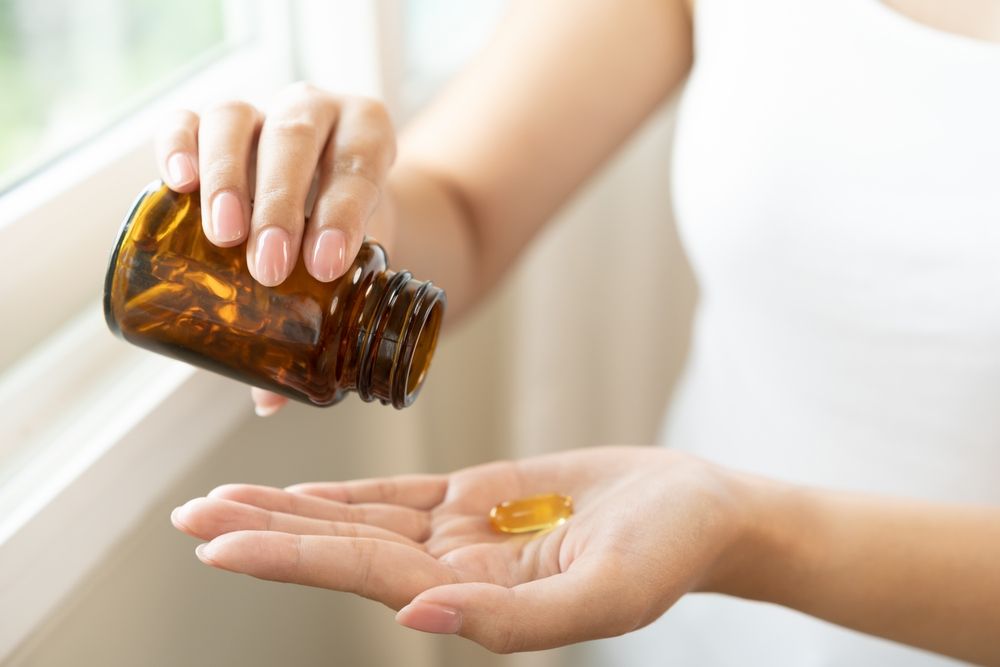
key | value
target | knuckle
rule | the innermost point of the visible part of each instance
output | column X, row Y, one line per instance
column 342, row 529
column 349, row 207
column 388, row 489
column 375, row 147
column 366, row 558
column 221, row 171
column 351, row 160
column 216, row 177
column 272, row 193
column 355, row 514
column 239, row 108
column 278, row 199
column 376, row 136
column 421, row 529
column 502, row 639
column 297, row 566
column 503, row 636
column 296, row 505
column 370, row 109
column 296, row 126
column 301, row 97
column 356, row 164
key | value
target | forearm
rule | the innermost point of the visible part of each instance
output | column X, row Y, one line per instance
column 427, row 229
column 922, row 574
column 483, row 168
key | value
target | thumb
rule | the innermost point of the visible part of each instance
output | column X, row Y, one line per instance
column 585, row 602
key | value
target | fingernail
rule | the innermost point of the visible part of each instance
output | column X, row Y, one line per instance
column 180, row 169
column 329, row 254
column 181, row 513
column 204, row 551
column 227, row 217
column 430, row 617
column 271, row 259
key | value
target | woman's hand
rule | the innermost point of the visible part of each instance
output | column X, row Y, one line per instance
column 256, row 170
column 649, row 525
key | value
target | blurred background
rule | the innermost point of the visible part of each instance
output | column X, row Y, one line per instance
column 99, row 441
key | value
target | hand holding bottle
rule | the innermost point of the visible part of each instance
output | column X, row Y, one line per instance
column 239, row 155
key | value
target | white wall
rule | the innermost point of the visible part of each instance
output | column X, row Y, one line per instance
column 546, row 364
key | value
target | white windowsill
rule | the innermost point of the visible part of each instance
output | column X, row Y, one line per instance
column 97, row 466
column 92, row 430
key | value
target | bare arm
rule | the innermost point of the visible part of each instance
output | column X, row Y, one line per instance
column 649, row 525
column 919, row 573
column 560, row 88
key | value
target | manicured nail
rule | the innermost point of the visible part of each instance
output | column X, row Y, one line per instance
column 181, row 513
column 180, row 169
column 329, row 255
column 227, row 217
column 204, row 551
column 272, row 257
column 430, row 617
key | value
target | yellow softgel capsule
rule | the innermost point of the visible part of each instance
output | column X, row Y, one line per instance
column 526, row 515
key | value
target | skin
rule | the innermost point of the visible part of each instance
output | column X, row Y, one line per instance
column 649, row 525
column 979, row 19
column 469, row 185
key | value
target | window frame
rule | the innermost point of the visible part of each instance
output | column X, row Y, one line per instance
column 76, row 479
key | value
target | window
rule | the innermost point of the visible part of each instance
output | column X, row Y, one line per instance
column 76, row 149
column 69, row 69
column 91, row 429
column 439, row 37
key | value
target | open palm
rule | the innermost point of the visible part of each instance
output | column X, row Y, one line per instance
column 647, row 525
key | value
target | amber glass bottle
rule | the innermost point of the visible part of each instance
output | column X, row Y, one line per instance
column 170, row 290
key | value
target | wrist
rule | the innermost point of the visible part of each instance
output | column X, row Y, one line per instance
column 768, row 548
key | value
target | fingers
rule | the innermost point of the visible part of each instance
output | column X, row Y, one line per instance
column 388, row 572
column 291, row 139
column 352, row 172
column 266, row 403
column 589, row 601
column 417, row 491
column 207, row 518
column 412, row 523
column 226, row 137
column 348, row 146
column 176, row 146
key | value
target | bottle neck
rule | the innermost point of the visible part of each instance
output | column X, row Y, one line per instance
column 397, row 337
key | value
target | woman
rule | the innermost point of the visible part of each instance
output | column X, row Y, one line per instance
column 837, row 170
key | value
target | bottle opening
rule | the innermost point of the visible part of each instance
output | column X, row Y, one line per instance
column 423, row 351
column 398, row 345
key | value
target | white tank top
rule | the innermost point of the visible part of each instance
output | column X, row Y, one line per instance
column 837, row 185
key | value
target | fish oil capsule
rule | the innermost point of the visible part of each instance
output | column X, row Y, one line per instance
column 526, row 515
column 373, row 331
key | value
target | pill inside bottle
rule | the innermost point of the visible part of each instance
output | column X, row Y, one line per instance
column 526, row 515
